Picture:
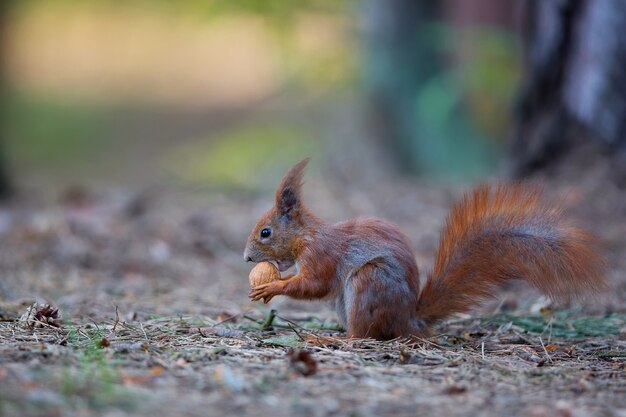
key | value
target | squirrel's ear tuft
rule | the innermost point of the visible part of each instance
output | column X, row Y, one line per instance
column 288, row 193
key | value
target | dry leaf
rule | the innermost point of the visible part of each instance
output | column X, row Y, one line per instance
column 552, row 347
column 570, row 350
column 302, row 361
column 404, row 357
column 454, row 390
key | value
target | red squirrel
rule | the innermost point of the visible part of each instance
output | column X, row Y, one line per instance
column 366, row 266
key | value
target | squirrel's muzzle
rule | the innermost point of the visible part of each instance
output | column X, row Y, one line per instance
column 246, row 256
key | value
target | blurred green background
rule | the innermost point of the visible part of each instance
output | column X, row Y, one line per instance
column 225, row 94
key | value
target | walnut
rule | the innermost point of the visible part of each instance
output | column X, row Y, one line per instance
column 263, row 273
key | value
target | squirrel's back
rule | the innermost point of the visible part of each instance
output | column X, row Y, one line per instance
column 367, row 238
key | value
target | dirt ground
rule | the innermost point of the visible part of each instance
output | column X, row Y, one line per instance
column 153, row 316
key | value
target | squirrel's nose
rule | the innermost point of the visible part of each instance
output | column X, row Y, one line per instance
column 246, row 257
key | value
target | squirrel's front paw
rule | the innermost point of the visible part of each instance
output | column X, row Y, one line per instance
column 267, row 291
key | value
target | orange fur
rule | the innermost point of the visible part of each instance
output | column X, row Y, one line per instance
column 368, row 269
column 494, row 235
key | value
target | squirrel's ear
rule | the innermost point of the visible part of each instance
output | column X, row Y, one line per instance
column 288, row 193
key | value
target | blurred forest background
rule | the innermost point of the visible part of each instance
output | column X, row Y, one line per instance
column 219, row 94
column 226, row 94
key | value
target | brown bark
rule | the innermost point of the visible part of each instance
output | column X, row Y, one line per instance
column 575, row 85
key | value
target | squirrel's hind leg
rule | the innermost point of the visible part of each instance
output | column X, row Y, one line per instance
column 378, row 304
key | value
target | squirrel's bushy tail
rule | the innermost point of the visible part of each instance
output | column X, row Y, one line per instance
column 497, row 234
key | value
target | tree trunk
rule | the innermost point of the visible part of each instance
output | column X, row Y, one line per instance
column 417, row 104
column 399, row 59
column 575, row 83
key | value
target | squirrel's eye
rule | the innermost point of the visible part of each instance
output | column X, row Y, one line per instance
column 265, row 233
